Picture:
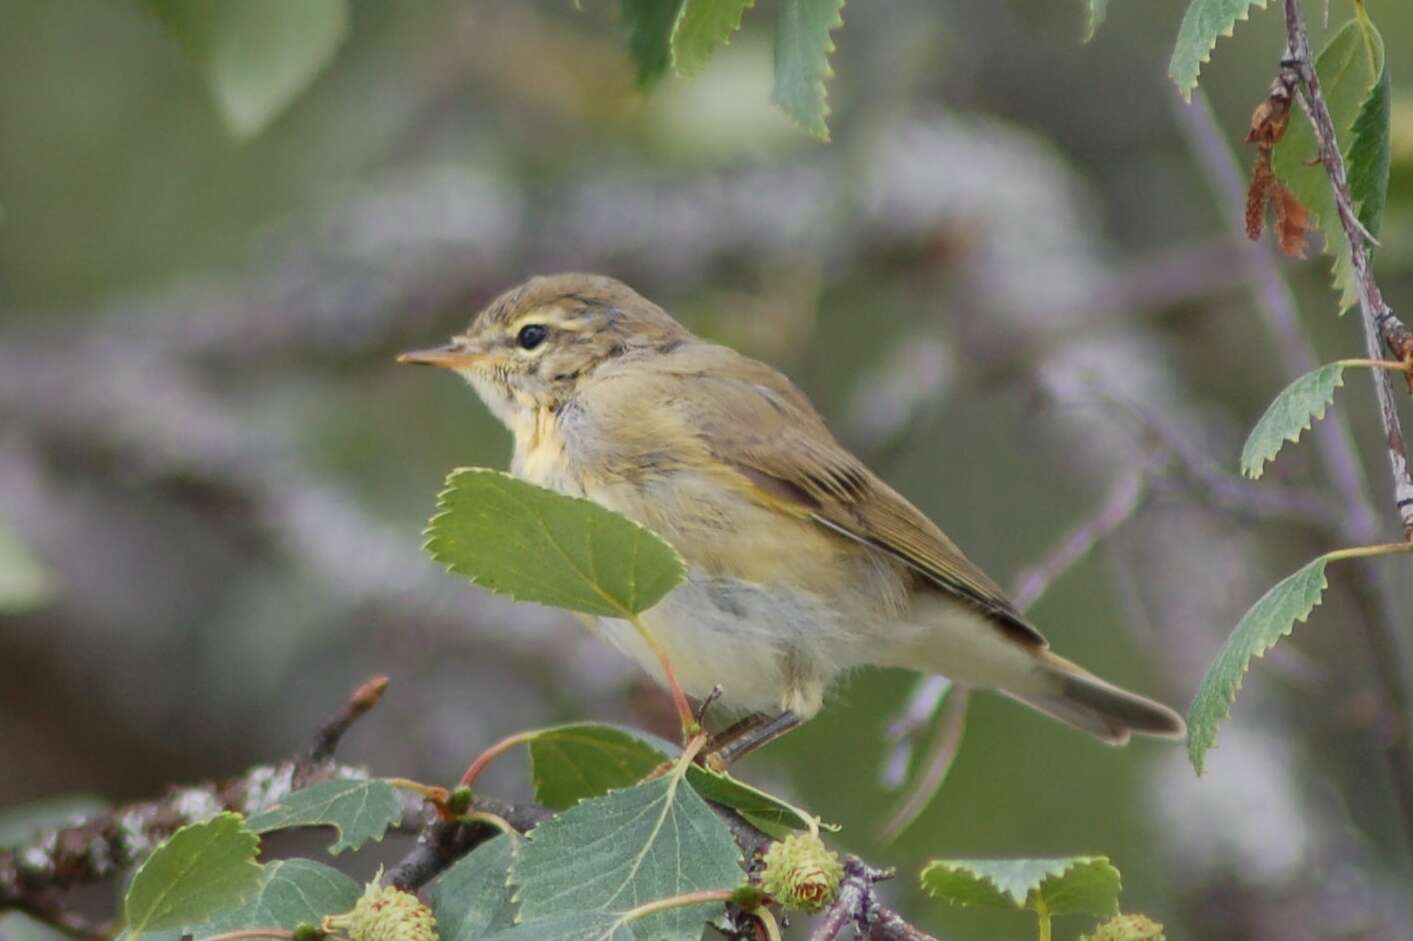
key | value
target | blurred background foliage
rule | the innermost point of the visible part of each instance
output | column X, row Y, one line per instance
column 1006, row 282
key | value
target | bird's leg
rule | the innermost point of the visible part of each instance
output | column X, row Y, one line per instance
column 761, row 732
column 735, row 730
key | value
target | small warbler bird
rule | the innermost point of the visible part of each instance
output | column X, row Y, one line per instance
column 801, row 563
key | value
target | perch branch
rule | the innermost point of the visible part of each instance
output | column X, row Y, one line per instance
column 100, row 848
column 1380, row 323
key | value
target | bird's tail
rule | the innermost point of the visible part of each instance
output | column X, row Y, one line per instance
column 1076, row 697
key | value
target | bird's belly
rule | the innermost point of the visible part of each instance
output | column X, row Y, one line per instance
column 767, row 647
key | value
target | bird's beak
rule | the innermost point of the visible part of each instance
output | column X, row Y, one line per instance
column 450, row 356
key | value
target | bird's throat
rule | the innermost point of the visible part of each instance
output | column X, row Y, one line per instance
column 539, row 451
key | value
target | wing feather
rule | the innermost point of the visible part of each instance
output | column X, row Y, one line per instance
column 754, row 420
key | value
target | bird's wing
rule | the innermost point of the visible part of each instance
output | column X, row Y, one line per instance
column 755, row 421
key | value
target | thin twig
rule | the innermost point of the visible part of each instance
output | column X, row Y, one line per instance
column 1380, row 322
column 1118, row 508
column 365, row 697
column 856, row 903
column 917, row 714
column 1333, row 438
column 951, row 725
column 1334, row 441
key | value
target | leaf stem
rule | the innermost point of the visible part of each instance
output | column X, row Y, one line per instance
column 245, row 933
column 690, row 727
column 767, row 918
column 676, row 901
column 1391, row 365
column 689, row 752
column 474, row 770
column 486, row 817
column 1364, row 552
column 434, row 793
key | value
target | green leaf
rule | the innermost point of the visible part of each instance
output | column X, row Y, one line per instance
column 1367, row 163
column 721, row 788
column 1352, row 73
column 573, row 926
column 473, row 898
column 1268, row 620
column 1296, row 409
column 1074, row 885
column 702, row 27
column 570, row 763
column 650, row 24
column 535, row 545
column 359, row 810
column 611, row 854
column 1203, row 23
column 1098, row 10
column 802, row 48
column 256, row 56
column 583, row 760
column 198, row 872
column 24, row 583
column 290, row 891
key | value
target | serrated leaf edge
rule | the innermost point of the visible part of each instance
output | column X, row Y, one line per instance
column 1254, row 471
column 1206, row 57
column 800, row 822
column 821, row 133
column 1199, row 761
column 677, row 772
column 726, row 41
column 128, row 932
column 448, row 488
column 341, row 841
column 961, row 866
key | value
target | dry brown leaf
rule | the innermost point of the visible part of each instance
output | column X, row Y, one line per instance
column 1261, row 181
column 1292, row 221
column 1269, row 119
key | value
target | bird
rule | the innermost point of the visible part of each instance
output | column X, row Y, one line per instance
column 801, row 563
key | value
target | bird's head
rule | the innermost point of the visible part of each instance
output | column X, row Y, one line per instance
column 531, row 347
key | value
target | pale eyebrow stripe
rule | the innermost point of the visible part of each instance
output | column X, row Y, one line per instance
column 553, row 315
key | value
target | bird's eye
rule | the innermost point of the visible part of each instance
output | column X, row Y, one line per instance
column 531, row 335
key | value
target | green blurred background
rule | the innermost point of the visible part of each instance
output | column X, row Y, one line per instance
column 1007, row 282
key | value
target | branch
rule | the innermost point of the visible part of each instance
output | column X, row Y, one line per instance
column 1380, row 323
column 1118, row 508
column 364, row 698
column 855, row 903
column 1334, row 441
column 442, row 843
column 33, row 876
